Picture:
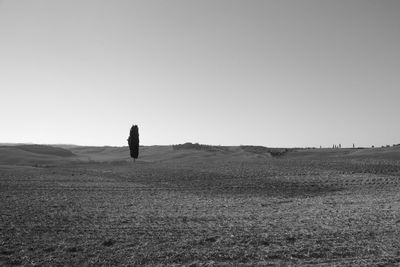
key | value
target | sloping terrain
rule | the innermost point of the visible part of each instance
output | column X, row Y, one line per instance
column 384, row 153
column 323, row 153
column 388, row 153
column 34, row 154
column 46, row 150
column 106, row 153
column 44, row 154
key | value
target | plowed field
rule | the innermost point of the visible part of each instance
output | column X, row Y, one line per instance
column 202, row 213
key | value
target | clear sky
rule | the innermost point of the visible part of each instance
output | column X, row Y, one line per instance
column 275, row 73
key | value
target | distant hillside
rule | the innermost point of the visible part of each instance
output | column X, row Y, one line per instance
column 261, row 150
column 197, row 146
column 46, row 150
column 390, row 153
column 275, row 152
column 320, row 153
column 101, row 153
column 33, row 155
column 14, row 144
column 386, row 153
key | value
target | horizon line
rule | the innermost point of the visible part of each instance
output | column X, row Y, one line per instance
column 213, row 145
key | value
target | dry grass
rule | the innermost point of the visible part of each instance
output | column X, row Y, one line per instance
column 202, row 213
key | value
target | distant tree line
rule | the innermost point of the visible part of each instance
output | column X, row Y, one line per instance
column 197, row 146
column 372, row 146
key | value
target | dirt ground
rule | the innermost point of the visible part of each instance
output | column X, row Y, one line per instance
column 263, row 212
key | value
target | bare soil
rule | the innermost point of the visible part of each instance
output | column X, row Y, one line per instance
column 259, row 212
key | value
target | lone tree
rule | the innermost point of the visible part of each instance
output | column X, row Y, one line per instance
column 133, row 141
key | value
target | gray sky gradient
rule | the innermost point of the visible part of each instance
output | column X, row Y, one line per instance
column 273, row 73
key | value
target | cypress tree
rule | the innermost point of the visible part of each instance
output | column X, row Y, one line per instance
column 133, row 141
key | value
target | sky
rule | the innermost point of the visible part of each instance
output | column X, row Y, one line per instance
column 222, row 72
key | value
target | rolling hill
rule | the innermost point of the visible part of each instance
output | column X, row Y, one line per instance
column 34, row 155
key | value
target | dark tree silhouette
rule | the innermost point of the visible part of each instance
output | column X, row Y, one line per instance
column 133, row 141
